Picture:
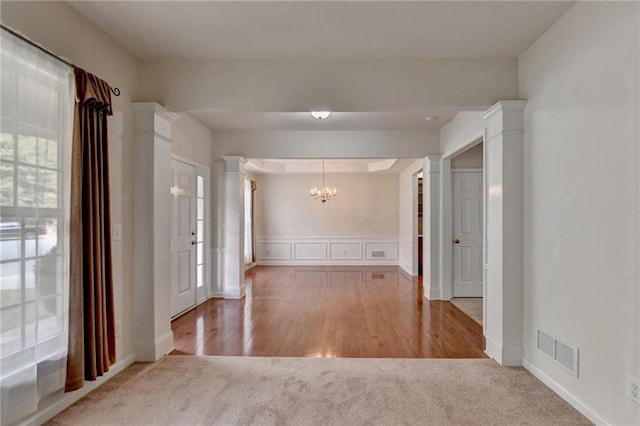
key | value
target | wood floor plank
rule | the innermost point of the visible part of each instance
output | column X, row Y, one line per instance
column 364, row 312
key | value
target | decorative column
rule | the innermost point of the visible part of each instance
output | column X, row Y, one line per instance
column 233, row 229
column 503, row 161
column 431, row 227
column 153, row 335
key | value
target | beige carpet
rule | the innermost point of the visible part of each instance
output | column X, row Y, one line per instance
column 471, row 306
column 190, row 390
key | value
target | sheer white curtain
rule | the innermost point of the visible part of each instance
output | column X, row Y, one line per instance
column 248, row 225
column 35, row 145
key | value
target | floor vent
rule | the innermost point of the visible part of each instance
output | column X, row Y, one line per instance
column 377, row 253
column 561, row 352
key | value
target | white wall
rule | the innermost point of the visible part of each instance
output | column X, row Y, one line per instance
column 366, row 205
column 407, row 216
column 580, row 80
column 327, row 144
column 465, row 127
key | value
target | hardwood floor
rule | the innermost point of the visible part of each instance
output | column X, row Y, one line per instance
column 365, row 312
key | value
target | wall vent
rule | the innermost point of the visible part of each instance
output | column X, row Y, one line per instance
column 561, row 352
column 378, row 253
column 377, row 276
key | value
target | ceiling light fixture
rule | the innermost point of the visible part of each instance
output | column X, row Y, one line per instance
column 430, row 118
column 325, row 193
column 320, row 115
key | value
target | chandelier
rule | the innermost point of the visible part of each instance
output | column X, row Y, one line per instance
column 325, row 193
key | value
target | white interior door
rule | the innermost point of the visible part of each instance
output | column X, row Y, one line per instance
column 467, row 234
column 183, row 237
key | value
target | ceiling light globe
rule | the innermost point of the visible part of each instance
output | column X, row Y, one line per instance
column 320, row 115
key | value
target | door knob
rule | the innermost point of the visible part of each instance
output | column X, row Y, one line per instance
column 193, row 243
column 456, row 241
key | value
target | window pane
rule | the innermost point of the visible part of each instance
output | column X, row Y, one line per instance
column 200, row 226
column 30, row 280
column 47, row 153
column 200, row 275
column 200, row 255
column 6, row 184
column 10, row 320
column 48, row 324
column 10, row 249
column 200, row 186
column 47, row 237
column 27, row 190
column 10, row 287
column 6, row 144
column 30, row 322
column 200, row 214
column 27, row 149
column 48, row 188
column 47, row 273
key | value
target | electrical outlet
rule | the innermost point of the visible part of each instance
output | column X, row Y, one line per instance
column 633, row 389
column 118, row 328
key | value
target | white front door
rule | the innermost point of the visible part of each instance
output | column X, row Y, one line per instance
column 183, row 237
column 467, row 234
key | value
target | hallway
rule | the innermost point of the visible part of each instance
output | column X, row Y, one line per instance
column 361, row 312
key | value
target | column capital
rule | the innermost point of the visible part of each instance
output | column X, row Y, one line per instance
column 432, row 163
column 154, row 118
column 234, row 163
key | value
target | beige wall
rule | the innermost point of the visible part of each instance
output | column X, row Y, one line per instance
column 366, row 205
column 192, row 140
column 61, row 29
column 406, row 213
column 468, row 159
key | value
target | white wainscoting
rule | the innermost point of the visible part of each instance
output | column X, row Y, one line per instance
column 327, row 251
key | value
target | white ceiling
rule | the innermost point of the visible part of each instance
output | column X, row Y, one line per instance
column 154, row 30
column 176, row 31
column 359, row 165
column 369, row 120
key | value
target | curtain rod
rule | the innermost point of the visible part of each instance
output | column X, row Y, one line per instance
column 114, row 90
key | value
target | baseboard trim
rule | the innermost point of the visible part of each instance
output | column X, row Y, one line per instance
column 70, row 398
column 506, row 355
column 576, row 403
column 234, row 293
column 406, row 268
column 153, row 351
column 432, row 293
column 391, row 262
column 216, row 295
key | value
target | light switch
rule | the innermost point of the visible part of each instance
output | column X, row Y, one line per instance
column 117, row 232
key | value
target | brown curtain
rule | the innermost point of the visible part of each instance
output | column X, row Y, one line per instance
column 91, row 311
column 253, row 223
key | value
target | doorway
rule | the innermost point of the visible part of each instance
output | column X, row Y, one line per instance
column 467, row 225
column 467, row 232
column 189, row 234
column 183, row 236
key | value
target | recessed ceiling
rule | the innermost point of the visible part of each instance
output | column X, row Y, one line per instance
column 199, row 30
column 359, row 165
